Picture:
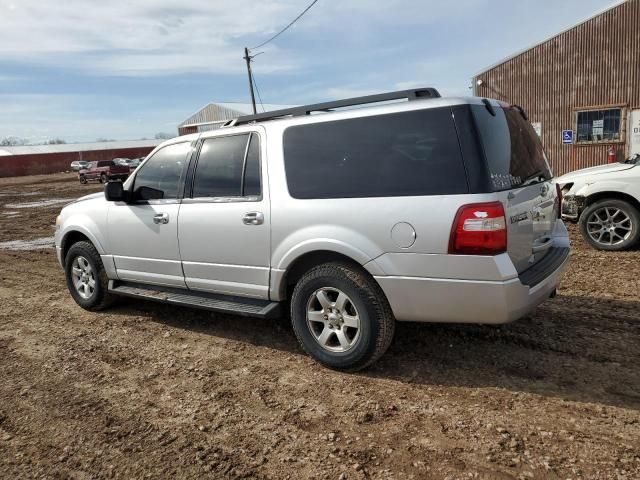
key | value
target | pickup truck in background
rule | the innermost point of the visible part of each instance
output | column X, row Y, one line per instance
column 103, row 171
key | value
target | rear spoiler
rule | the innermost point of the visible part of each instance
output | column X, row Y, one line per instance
column 491, row 110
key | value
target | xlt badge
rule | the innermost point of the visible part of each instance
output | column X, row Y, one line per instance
column 519, row 217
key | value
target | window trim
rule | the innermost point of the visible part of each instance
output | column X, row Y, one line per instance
column 597, row 108
column 188, row 193
column 181, row 180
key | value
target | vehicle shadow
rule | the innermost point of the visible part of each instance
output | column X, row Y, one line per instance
column 574, row 348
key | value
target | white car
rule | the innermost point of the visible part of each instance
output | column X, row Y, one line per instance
column 605, row 201
column 78, row 165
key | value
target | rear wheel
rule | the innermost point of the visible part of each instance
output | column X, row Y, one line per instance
column 610, row 224
column 86, row 278
column 104, row 178
column 341, row 316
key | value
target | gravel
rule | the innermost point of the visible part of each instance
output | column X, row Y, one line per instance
column 150, row 390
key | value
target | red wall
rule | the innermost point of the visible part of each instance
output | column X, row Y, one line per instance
column 34, row 164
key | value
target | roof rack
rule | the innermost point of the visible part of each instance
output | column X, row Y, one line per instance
column 414, row 94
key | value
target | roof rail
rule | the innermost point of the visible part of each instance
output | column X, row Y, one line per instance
column 414, row 94
column 229, row 123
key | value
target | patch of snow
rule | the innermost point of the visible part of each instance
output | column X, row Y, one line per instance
column 40, row 203
column 11, row 214
column 19, row 194
column 35, row 244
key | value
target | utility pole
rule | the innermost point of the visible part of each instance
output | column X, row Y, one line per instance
column 253, row 97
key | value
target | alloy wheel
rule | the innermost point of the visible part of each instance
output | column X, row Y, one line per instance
column 609, row 226
column 333, row 320
column 83, row 277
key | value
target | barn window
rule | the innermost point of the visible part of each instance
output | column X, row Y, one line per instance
column 599, row 125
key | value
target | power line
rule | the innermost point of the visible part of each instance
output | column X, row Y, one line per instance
column 258, row 91
column 287, row 27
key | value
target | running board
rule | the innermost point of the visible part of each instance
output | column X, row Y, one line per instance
column 247, row 307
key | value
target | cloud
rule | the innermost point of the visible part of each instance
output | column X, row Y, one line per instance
column 158, row 37
column 133, row 38
column 39, row 117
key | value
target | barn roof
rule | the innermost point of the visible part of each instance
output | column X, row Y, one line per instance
column 217, row 112
column 77, row 147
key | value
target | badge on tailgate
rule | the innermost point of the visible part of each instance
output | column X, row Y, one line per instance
column 519, row 217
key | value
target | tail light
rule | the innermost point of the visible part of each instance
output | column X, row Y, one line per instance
column 559, row 196
column 479, row 229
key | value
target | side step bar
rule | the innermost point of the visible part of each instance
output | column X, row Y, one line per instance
column 247, row 307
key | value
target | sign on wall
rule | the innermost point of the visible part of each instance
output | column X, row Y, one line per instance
column 598, row 129
column 634, row 131
column 567, row 137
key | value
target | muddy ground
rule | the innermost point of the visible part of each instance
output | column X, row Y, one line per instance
column 145, row 390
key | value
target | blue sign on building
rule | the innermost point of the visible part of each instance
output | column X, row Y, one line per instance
column 567, row 136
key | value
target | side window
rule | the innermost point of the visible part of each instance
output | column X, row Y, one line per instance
column 159, row 178
column 221, row 166
column 252, row 169
column 398, row 154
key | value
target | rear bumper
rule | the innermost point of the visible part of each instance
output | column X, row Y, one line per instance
column 415, row 299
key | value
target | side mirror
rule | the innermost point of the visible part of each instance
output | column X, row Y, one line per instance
column 114, row 192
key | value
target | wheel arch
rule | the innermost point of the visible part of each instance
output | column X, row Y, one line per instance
column 614, row 195
column 285, row 279
column 74, row 236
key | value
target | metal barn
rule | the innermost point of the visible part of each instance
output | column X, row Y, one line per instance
column 580, row 88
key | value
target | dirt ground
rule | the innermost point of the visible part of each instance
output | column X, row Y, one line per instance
column 145, row 390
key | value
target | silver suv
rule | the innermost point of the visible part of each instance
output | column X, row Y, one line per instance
column 428, row 209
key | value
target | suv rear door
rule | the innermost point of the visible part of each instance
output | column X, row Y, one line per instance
column 520, row 175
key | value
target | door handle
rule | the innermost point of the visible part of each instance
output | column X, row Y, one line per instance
column 253, row 218
column 161, row 218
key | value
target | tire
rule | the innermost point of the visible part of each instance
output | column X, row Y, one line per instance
column 365, row 305
column 104, row 178
column 83, row 180
column 610, row 224
column 83, row 258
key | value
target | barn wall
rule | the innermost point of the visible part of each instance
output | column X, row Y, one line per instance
column 34, row 164
column 187, row 130
column 594, row 64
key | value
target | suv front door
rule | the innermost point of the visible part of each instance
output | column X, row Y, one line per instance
column 143, row 234
column 224, row 223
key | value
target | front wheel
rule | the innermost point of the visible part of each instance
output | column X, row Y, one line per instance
column 341, row 316
column 83, row 179
column 610, row 224
column 86, row 278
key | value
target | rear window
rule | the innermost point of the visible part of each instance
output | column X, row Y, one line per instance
column 400, row 154
column 514, row 153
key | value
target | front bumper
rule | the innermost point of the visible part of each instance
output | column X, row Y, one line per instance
column 572, row 206
column 59, row 256
column 415, row 299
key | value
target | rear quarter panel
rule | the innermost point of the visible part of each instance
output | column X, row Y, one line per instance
column 359, row 228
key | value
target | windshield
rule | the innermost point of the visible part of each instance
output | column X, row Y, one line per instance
column 514, row 153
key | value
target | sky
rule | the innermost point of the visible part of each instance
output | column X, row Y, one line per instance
column 127, row 69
